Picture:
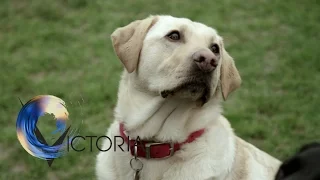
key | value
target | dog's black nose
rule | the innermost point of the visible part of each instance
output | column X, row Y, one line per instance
column 205, row 60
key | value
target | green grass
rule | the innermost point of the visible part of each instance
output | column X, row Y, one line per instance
column 62, row 47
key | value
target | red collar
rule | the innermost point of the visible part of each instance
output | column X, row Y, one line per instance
column 156, row 150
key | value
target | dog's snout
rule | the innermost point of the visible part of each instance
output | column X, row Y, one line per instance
column 205, row 60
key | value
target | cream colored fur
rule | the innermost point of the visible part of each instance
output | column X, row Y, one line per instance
column 154, row 64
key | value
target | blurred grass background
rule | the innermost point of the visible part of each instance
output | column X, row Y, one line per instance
column 62, row 47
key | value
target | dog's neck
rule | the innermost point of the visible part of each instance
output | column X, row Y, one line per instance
column 151, row 116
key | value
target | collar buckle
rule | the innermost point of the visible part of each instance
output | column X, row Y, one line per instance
column 149, row 145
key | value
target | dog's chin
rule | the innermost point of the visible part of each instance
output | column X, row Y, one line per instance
column 193, row 91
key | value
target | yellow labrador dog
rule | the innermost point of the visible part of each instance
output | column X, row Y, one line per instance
column 168, row 113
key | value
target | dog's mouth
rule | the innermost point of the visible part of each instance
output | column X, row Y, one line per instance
column 196, row 89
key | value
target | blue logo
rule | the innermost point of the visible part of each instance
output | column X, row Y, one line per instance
column 30, row 136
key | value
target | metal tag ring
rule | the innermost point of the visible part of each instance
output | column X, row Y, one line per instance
column 136, row 161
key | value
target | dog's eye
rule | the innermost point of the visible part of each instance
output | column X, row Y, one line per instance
column 214, row 48
column 174, row 36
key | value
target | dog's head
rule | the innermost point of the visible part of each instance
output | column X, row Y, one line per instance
column 176, row 56
column 305, row 165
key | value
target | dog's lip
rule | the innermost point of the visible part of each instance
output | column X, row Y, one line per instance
column 194, row 82
column 201, row 100
column 167, row 92
column 196, row 76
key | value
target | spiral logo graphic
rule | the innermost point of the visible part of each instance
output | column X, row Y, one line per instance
column 30, row 136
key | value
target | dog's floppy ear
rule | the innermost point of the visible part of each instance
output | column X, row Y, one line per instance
column 230, row 78
column 127, row 41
